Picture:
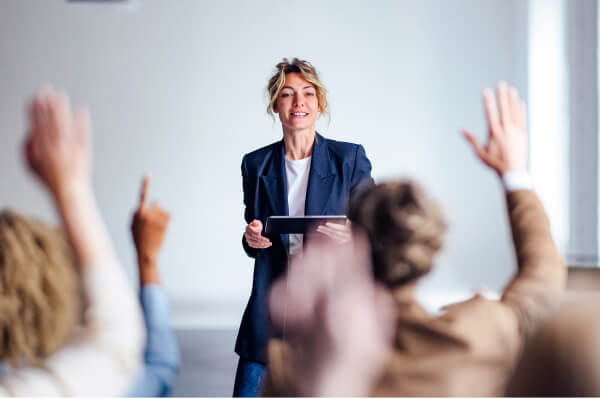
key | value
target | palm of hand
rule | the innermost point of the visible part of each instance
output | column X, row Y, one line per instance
column 57, row 148
column 506, row 149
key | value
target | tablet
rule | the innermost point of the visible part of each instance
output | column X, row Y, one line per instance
column 299, row 224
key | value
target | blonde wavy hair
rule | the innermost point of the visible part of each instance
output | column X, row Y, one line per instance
column 308, row 72
column 404, row 226
column 40, row 294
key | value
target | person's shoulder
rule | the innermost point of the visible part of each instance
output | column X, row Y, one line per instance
column 261, row 153
column 341, row 148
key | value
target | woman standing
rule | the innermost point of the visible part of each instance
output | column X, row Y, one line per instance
column 303, row 174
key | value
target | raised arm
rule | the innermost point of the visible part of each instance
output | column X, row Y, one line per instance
column 161, row 356
column 57, row 150
column 105, row 357
column 535, row 291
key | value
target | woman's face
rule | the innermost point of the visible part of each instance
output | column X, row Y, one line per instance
column 297, row 104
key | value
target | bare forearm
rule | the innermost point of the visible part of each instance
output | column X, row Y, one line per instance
column 83, row 223
column 148, row 270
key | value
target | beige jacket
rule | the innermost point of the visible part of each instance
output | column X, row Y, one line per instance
column 472, row 348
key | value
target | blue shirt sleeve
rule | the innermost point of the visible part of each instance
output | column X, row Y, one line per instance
column 161, row 357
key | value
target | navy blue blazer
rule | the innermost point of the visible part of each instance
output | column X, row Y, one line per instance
column 336, row 169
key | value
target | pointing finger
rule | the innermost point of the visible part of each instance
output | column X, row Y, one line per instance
column 144, row 191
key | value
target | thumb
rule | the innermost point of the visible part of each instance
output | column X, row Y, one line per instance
column 256, row 225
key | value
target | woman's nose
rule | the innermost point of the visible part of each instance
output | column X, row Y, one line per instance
column 299, row 100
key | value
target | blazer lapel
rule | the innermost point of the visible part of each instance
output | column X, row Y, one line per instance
column 274, row 183
column 320, row 180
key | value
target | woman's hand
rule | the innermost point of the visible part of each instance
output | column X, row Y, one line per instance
column 57, row 148
column 253, row 235
column 339, row 233
column 506, row 148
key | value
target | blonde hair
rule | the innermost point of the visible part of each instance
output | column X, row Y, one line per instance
column 40, row 295
column 404, row 227
column 308, row 72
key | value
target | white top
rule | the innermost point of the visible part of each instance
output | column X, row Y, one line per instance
column 296, row 173
column 104, row 357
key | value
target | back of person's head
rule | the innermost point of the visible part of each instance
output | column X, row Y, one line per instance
column 404, row 227
column 40, row 301
column 563, row 359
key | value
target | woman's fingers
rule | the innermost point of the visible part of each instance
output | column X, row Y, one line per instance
column 491, row 112
column 338, row 232
column 257, row 239
column 515, row 106
column 254, row 228
column 260, row 242
column 254, row 237
column 504, row 105
column 337, row 226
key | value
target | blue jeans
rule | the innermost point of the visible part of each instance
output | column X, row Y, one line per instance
column 248, row 378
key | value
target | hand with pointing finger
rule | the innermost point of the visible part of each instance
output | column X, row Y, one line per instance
column 149, row 226
column 254, row 237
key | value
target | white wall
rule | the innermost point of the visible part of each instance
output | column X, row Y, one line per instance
column 177, row 88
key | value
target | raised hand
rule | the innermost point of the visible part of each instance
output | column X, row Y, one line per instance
column 254, row 237
column 148, row 227
column 57, row 147
column 506, row 149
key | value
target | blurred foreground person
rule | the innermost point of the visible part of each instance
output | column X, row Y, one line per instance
column 161, row 357
column 564, row 358
column 337, row 324
column 472, row 348
column 70, row 322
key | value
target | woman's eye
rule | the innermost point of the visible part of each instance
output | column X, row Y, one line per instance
column 310, row 94
column 285, row 95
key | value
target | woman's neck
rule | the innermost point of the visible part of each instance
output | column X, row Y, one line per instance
column 299, row 144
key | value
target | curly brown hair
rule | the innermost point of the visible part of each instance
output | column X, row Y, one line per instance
column 40, row 293
column 404, row 227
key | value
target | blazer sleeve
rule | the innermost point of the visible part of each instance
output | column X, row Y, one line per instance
column 248, row 213
column 534, row 293
column 362, row 169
